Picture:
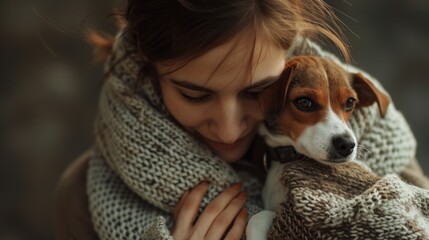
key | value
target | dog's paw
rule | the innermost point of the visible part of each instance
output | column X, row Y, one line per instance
column 259, row 224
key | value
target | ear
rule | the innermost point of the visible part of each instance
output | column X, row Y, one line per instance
column 368, row 93
column 272, row 99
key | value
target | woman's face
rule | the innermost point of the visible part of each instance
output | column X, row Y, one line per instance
column 215, row 95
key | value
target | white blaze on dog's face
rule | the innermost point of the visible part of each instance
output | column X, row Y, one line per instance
column 328, row 141
column 318, row 101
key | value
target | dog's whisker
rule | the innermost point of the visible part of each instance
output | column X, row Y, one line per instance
column 359, row 155
column 362, row 150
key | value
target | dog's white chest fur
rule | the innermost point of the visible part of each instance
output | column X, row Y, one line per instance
column 273, row 192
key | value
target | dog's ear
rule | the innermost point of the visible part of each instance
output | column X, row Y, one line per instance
column 368, row 93
column 272, row 99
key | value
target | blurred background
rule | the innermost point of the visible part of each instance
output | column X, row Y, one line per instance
column 49, row 87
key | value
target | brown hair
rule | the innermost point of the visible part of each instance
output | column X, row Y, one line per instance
column 182, row 29
column 185, row 29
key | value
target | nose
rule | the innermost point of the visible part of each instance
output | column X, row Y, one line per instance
column 230, row 122
column 343, row 145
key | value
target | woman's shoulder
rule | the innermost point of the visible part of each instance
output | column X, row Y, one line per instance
column 75, row 173
column 72, row 217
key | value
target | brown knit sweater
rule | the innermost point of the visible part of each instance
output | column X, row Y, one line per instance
column 348, row 201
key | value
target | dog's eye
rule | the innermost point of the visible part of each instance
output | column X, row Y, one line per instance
column 350, row 104
column 305, row 104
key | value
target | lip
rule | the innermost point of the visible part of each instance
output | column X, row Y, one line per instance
column 220, row 146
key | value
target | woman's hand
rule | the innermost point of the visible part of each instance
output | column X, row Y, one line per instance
column 224, row 210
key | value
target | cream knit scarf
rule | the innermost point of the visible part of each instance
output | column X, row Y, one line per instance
column 143, row 161
column 150, row 159
column 142, row 144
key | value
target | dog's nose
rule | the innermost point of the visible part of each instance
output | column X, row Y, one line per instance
column 343, row 145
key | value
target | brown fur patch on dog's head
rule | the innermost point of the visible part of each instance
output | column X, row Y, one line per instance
column 326, row 84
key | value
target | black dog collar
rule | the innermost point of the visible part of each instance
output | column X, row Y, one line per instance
column 283, row 154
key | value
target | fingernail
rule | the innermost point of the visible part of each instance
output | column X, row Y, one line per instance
column 237, row 185
column 243, row 213
column 242, row 195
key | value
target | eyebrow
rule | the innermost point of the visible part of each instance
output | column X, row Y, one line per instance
column 187, row 84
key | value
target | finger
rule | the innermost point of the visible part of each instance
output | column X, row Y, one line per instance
column 239, row 226
column 178, row 231
column 226, row 218
column 189, row 209
column 180, row 204
column 214, row 208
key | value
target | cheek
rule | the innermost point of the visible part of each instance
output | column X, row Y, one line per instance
column 187, row 114
column 294, row 122
column 291, row 127
column 345, row 116
column 339, row 111
column 253, row 111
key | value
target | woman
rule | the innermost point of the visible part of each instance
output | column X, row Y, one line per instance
column 179, row 108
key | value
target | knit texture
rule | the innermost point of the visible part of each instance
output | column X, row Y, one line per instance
column 143, row 161
column 348, row 201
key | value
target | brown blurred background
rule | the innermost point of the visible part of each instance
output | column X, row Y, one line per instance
column 49, row 87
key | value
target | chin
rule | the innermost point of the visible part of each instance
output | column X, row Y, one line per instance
column 231, row 156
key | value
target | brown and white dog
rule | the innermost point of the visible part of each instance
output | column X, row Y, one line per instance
column 307, row 110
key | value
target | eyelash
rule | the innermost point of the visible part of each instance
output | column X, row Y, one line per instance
column 200, row 99
column 253, row 95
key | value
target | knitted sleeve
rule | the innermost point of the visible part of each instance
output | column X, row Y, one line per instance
column 387, row 144
column 133, row 218
column 119, row 213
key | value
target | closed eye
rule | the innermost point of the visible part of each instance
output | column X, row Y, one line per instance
column 196, row 98
column 252, row 93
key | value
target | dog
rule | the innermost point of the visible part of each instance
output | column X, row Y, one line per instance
column 306, row 116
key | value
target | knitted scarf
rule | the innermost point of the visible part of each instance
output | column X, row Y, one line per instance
column 143, row 161
column 142, row 158
column 348, row 202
